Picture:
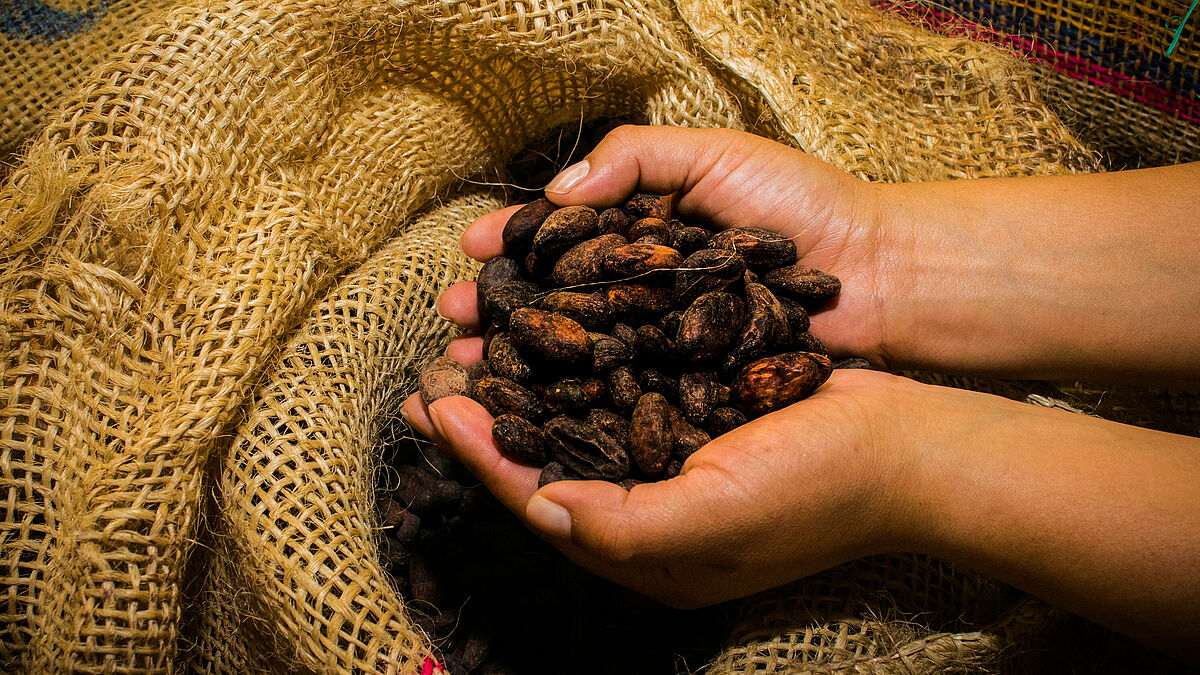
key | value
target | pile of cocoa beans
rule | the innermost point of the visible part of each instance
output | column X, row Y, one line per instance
column 497, row 600
column 619, row 342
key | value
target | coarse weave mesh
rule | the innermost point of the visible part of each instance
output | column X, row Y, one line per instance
column 218, row 255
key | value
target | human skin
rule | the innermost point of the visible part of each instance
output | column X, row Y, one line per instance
column 1090, row 277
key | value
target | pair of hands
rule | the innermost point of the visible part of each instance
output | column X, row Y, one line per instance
column 937, row 276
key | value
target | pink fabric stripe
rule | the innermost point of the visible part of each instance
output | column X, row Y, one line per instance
column 951, row 25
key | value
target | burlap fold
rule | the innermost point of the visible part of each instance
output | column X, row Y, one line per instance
column 180, row 320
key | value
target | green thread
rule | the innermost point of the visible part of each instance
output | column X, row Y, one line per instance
column 1179, row 31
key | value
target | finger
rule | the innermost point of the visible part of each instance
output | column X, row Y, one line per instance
column 460, row 305
column 483, row 238
column 466, row 350
column 724, row 176
column 467, row 430
column 415, row 413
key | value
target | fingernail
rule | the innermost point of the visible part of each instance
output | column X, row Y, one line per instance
column 433, row 417
column 548, row 517
column 569, row 177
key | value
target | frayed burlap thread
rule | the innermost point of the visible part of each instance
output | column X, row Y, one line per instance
column 171, row 245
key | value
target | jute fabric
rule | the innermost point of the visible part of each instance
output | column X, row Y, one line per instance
column 221, row 249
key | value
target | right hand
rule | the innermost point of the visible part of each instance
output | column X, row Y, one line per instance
column 727, row 178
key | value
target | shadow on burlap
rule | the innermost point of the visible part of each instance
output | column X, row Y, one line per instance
column 220, row 258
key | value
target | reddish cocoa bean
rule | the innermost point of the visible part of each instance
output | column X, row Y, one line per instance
column 523, row 225
column 705, row 271
column 774, row 382
column 709, row 325
column 650, row 440
column 761, row 249
column 614, row 221
column 551, row 336
column 644, row 205
column 590, row 310
column 442, row 377
column 564, row 228
column 802, row 283
column 520, row 439
column 639, row 301
column 500, row 396
column 650, row 227
column 585, row 262
column 634, row 259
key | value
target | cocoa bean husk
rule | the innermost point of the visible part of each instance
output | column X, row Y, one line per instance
column 442, row 377
column 586, row 450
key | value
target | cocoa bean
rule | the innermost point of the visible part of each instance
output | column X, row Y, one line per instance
column 610, row 423
column 625, row 333
column 688, row 240
column 418, row 491
column 476, row 372
column 442, row 377
column 652, row 346
column 564, row 228
column 566, row 395
column 653, row 240
column 644, row 205
column 807, row 342
column 551, row 336
column 634, row 259
column 852, row 363
column 705, row 271
column 614, row 221
column 586, row 261
column 590, row 310
column 630, row 483
column 685, row 438
column 520, row 439
column 761, row 249
column 797, row 316
column 802, row 283
column 650, row 440
column 499, row 302
column 500, row 396
column 523, row 225
column 506, row 361
column 709, row 325
column 774, row 382
column 624, row 388
column 554, row 472
column 650, row 226
column 669, row 323
column 652, row 379
column 674, row 468
column 585, row 450
column 400, row 523
column 765, row 327
column 699, row 393
column 497, row 271
column 608, row 352
column 639, row 301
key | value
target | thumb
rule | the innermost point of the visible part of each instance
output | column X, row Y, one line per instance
column 680, row 517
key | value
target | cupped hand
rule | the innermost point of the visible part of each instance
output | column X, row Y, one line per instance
column 727, row 178
column 789, row 494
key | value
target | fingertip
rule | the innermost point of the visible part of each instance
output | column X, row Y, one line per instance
column 484, row 238
column 460, row 305
column 416, row 413
column 466, row 350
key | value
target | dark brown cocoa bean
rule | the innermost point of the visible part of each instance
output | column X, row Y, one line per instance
column 797, row 316
column 774, row 382
column 650, row 440
column 633, row 259
column 423, row 580
column 492, row 331
column 520, row 439
column 400, row 523
column 523, row 225
column 564, row 228
column 506, row 361
column 725, row 419
column 625, row 333
column 590, row 310
column 685, row 438
column 705, row 271
column 595, row 390
column 699, row 393
column 709, row 325
column 688, row 240
column 419, row 491
column 566, row 395
column 476, row 372
column 750, row 277
column 624, row 388
column 644, row 205
column 761, row 249
column 551, row 336
column 669, row 324
column 554, row 472
column 614, row 221
column 802, row 283
column 497, row 271
column 852, row 363
column 501, row 396
column 652, row 346
column 499, row 302
column 610, row 423
column 765, row 327
column 585, row 263
column 393, row 553
column 644, row 227
column 807, row 342
column 639, row 301
column 442, row 377
column 608, row 352
column 586, row 450
column 652, row 379
column 674, row 468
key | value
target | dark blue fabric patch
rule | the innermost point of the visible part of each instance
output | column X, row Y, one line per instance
column 39, row 22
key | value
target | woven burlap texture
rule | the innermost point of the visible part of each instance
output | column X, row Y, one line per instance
column 171, row 238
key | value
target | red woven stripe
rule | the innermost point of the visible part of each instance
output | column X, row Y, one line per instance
column 950, row 25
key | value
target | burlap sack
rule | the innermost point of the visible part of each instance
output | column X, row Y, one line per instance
column 170, row 240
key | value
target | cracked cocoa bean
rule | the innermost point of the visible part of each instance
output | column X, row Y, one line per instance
column 773, row 382
column 442, row 377
column 585, row 449
column 608, row 352
column 650, row 439
column 804, row 284
column 761, row 249
column 586, row 262
column 709, row 325
column 551, row 336
column 520, row 439
column 500, row 396
column 523, row 225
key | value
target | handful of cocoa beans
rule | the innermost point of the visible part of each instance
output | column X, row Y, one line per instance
column 619, row 342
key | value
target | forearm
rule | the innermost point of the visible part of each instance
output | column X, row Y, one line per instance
column 1094, row 276
column 1098, row 517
